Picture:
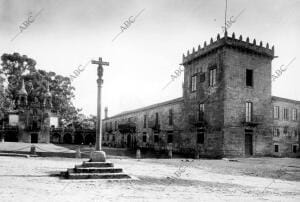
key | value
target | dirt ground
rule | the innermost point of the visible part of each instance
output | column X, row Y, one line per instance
column 249, row 179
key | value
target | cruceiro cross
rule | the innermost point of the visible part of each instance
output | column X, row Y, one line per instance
column 98, row 155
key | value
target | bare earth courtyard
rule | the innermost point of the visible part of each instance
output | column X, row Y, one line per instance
column 249, row 179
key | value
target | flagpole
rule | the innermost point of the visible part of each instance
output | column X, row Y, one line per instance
column 225, row 15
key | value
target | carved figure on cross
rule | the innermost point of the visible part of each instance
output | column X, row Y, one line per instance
column 100, row 64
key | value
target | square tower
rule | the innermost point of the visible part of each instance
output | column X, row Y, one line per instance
column 227, row 97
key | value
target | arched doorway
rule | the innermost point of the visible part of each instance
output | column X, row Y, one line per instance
column 55, row 138
column 78, row 138
column 89, row 138
column 68, row 138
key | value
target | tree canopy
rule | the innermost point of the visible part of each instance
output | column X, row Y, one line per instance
column 17, row 68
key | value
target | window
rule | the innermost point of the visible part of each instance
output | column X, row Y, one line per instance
column 276, row 132
column 194, row 83
column 200, row 136
column 201, row 107
column 200, row 111
column 129, row 119
column 276, row 112
column 116, row 125
column 294, row 148
column 249, row 77
column 156, row 119
column 170, row 117
column 145, row 121
column 155, row 138
column 212, row 77
column 202, row 77
column 285, row 130
column 110, row 125
column 295, row 133
column 170, row 137
column 249, row 110
column 276, row 148
column 285, row 114
column 294, row 117
column 145, row 137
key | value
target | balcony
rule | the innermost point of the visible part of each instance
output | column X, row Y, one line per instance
column 128, row 127
column 32, row 128
column 109, row 130
column 197, row 120
column 8, row 128
column 254, row 121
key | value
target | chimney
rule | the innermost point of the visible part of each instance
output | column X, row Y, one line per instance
column 105, row 111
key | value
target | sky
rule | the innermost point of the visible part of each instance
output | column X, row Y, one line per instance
column 68, row 33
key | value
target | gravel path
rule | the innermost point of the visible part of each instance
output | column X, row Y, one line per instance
column 33, row 179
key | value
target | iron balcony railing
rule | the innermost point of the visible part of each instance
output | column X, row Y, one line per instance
column 197, row 119
column 253, row 120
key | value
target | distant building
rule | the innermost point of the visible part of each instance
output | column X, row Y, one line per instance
column 34, row 121
column 30, row 121
column 226, row 110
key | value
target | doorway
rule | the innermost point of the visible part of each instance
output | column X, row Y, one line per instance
column 248, row 142
column 128, row 140
column 34, row 138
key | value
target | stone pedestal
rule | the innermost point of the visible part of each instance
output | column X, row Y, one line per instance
column 138, row 153
column 98, row 156
column 32, row 150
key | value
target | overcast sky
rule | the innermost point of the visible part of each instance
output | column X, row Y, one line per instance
column 67, row 33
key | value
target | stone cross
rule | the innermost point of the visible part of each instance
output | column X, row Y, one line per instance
column 100, row 64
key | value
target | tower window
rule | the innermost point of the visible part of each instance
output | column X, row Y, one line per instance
column 212, row 77
column 200, row 136
column 194, row 83
column 249, row 77
column 144, row 137
column 200, row 111
column 249, row 109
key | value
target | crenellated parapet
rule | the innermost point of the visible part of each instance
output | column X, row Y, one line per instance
column 232, row 42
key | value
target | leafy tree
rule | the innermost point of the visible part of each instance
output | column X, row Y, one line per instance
column 17, row 68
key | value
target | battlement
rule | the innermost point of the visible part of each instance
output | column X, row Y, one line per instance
column 232, row 42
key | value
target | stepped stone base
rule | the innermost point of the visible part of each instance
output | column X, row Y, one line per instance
column 95, row 170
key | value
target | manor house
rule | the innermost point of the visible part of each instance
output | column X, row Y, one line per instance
column 227, row 108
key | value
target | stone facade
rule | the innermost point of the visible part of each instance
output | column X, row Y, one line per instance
column 226, row 108
column 286, row 127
